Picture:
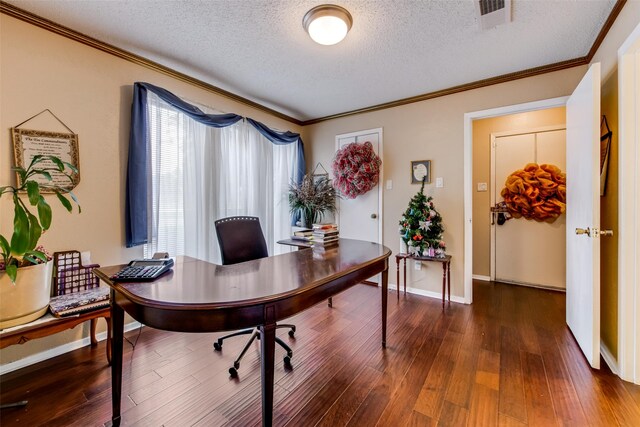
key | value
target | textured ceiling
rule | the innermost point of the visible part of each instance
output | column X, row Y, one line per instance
column 396, row 49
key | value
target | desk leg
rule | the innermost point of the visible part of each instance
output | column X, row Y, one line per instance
column 449, row 281
column 385, row 291
column 444, row 281
column 398, row 277
column 267, row 356
column 117, row 333
column 404, row 263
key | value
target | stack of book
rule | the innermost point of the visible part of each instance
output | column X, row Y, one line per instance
column 305, row 235
column 325, row 236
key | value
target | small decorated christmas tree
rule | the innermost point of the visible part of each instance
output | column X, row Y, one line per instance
column 421, row 227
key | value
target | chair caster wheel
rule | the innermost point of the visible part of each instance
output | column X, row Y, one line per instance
column 217, row 346
column 233, row 372
column 292, row 333
column 287, row 361
column 236, row 365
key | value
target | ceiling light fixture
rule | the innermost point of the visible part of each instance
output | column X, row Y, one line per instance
column 327, row 24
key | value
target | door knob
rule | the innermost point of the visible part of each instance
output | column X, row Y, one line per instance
column 374, row 216
column 586, row 231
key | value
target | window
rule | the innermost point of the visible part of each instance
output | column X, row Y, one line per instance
column 200, row 174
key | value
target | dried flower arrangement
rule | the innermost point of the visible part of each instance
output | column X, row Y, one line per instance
column 312, row 199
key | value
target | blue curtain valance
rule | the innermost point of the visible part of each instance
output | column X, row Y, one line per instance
column 136, row 209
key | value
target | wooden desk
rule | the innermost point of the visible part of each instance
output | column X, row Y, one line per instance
column 198, row 296
column 446, row 272
column 49, row 325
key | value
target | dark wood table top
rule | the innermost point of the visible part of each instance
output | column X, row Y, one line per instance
column 286, row 280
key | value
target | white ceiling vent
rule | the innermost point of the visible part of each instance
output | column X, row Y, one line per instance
column 493, row 12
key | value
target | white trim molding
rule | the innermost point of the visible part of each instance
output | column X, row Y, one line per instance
column 608, row 358
column 629, row 208
column 481, row 277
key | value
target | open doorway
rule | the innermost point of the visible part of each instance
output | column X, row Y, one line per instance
column 469, row 118
column 512, row 250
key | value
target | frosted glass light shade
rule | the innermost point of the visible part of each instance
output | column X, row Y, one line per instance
column 327, row 24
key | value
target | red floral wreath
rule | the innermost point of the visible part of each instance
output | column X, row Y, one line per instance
column 356, row 168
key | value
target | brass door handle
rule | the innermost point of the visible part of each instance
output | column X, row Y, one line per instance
column 607, row 233
column 586, row 231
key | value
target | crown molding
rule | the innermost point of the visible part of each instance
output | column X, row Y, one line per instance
column 46, row 24
column 23, row 15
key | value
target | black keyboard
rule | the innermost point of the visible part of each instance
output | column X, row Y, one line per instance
column 134, row 273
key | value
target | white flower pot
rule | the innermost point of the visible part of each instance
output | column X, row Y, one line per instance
column 28, row 298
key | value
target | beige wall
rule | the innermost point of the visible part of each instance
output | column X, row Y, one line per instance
column 482, row 130
column 433, row 130
column 91, row 92
column 609, row 221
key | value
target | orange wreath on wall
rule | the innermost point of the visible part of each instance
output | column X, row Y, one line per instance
column 536, row 192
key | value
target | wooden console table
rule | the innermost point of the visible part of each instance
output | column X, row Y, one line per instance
column 446, row 272
column 49, row 325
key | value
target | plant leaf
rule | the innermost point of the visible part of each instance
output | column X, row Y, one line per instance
column 43, row 173
column 75, row 199
column 4, row 245
column 35, row 231
column 65, row 202
column 36, row 254
column 44, row 213
column 57, row 162
column 20, row 238
column 12, row 272
column 33, row 191
column 70, row 166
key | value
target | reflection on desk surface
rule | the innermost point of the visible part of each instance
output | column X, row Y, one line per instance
column 201, row 283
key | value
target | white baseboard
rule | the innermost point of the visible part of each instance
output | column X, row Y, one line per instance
column 57, row 351
column 430, row 294
column 609, row 359
column 481, row 277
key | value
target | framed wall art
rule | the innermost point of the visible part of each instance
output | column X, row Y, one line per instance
column 420, row 169
column 29, row 143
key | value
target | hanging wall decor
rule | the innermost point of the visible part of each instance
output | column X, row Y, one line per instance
column 605, row 146
column 29, row 143
column 356, row 168
column 536, row 192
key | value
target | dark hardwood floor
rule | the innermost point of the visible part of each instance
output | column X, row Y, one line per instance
column 506, row 360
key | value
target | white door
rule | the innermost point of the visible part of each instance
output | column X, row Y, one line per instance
column 583, row 212
column 521, row 246
column 360, row 218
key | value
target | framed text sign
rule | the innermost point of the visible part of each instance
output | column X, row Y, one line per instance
column 29, row 143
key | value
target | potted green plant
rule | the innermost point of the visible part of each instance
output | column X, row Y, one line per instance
column 313, row 198
column 25, row 268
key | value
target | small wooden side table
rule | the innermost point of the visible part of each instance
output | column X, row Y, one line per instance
column 446, row 272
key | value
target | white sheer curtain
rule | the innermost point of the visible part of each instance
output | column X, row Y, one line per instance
column 200, row 174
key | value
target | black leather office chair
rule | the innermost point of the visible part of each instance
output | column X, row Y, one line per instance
column 241, row 239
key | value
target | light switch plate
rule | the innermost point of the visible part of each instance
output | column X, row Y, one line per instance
column 389, row 184
column 482, row 186
column 417, row 265
column 439, row 182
